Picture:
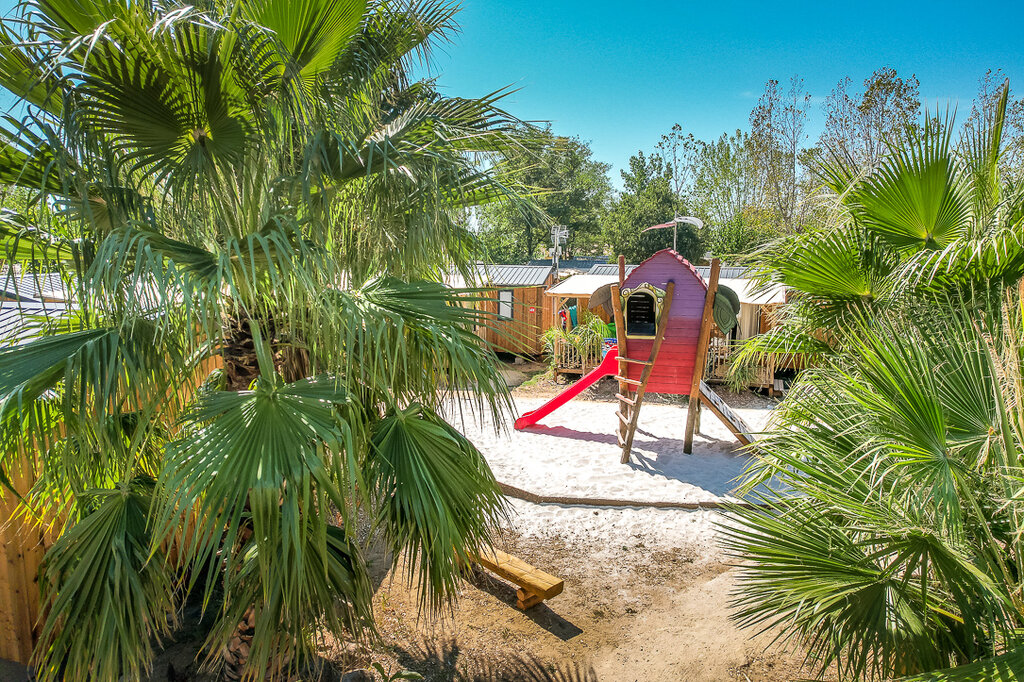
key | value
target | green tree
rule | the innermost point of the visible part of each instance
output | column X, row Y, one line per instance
column 729, row 195
column 572, row 190
column 894, row 547
column 262, row 185
column 682, row 152
column 648, row 199
column 742, row 234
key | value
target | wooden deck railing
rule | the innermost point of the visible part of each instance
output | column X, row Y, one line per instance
column 568, row 360
column 720, row 353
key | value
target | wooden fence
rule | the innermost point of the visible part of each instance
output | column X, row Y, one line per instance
column 22, row 547
column 568, row 360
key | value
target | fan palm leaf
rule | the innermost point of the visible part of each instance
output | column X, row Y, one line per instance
column 263, row 186
column 892, row 453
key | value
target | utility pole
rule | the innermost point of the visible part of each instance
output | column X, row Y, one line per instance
column 559, row 234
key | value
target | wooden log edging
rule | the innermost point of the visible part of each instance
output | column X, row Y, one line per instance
column 527, row 496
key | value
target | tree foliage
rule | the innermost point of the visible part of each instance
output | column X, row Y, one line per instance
column 861, row 125
column 894, row 545
column 648, row 199
column 572, row 190
column 777, row 134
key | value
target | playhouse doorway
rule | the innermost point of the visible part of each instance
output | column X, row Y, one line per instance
column 641, row 315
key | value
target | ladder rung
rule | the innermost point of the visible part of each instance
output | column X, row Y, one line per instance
column 635, row 362
column 631, row 382
column 622, row 441
column 628, row 401
column 622, row 417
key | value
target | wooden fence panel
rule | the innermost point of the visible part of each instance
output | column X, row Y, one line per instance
column 22, row 547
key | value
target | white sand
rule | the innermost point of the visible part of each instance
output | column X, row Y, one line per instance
column 574, row 452
column 606, row 532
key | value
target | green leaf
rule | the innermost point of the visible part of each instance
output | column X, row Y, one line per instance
column 1008, row 667
column 436, row 499
column 99, row 578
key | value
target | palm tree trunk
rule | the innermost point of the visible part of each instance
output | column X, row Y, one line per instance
column 236, row 653
column 241, row 368
column 239, row 353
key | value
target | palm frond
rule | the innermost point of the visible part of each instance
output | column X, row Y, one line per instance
column 101, row 578
column 435, row 498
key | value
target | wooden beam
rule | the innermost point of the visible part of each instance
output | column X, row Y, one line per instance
column 620, row 334
column 732, row 420
column 535, row 584
column 701, row 359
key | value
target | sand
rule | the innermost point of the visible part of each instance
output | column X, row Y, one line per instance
column 574, row 452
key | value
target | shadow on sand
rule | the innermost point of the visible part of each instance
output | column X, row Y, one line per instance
column 541, row 614
column 715, row 472
column 445, row 660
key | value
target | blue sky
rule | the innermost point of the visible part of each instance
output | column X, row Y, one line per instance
column 619, row 74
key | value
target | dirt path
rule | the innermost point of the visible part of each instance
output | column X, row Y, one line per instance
column 631, row 612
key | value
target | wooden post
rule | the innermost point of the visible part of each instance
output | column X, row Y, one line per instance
column 622, row 270
column 701, row 359
column 620, row 335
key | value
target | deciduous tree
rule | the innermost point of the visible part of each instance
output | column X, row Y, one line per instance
column 573, row 189
column 860, row 125
column 777, row 125
column 647, row 199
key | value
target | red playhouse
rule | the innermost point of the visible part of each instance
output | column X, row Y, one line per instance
column 663, row 315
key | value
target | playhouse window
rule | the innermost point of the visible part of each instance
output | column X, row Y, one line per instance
column 641, row 316
column 505, row 304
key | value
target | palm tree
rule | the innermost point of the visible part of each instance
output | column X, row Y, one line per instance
column 895, row 548
column 253, row 202
column 937, row 214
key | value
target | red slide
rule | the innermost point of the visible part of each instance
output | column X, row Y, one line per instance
column 609, row 367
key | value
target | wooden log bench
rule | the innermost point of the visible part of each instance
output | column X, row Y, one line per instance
column 534, row 584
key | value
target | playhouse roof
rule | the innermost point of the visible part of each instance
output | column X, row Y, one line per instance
column 581, row 285
column 667, row 256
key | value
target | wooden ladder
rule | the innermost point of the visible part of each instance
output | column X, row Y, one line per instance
column 629, row 408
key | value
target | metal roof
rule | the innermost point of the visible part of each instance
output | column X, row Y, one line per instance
column 582, row 264
column 19, row 320
column 513, row 275
column 726, row 272
column 609, row 269
column 581, row 285
column 34, row 286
